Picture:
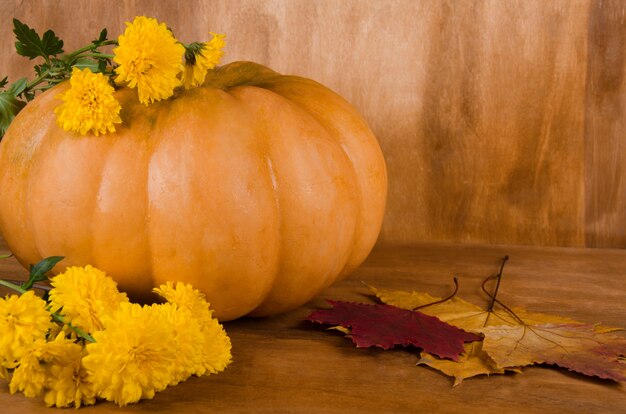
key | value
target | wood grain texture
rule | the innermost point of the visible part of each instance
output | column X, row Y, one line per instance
column 285, row 365
column 501, row 121
column 605, row 144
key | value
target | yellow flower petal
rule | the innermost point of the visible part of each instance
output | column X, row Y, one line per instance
column 68, row 384
column 31, row 375
column 23, row 320
column 213, row 344
column 149, row 59
column 199, row 60
column 89, row 104
column 84, row 295
column 216, row 347
column 134, row 356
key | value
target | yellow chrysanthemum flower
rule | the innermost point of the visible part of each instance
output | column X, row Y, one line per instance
column 68, row 384
column 23, row 319
column 133, row 357
column 84, row 295
column 188, row 336
column 186, row 296
column 199, row 58
column 89, row 104
column 31, row 375
column 149, row 58
column 34, row 371
column 214, row 346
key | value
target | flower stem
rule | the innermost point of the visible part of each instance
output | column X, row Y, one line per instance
column 12, row 286
column 79, row 332
column 37, row 80
column 90, row 46
column 101, row 55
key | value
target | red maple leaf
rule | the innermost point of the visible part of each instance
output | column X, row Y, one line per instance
column 386, row 326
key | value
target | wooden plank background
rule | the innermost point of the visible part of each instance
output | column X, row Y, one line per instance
column 501, row 121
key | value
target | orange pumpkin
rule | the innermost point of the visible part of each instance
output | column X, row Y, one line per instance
column 259, row 189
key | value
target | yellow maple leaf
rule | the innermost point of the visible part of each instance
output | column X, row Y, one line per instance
column 474, row 361
column 578, row 348
column 463, row 314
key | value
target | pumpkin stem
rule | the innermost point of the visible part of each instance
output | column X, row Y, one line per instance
column 238, row 74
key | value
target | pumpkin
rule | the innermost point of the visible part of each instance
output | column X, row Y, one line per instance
column 259, row 189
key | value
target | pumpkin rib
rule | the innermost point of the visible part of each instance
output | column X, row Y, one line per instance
column 353, row 144
column 26, row 202
column 333, row 133
column 292, row 87
column 67, row 182
column 279, row 215
column 227, row 223
column 119, row 226
column 312, row 155
column 63, row 226
column 20, row 154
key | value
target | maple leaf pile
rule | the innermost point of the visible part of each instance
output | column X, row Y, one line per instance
column 463, row 340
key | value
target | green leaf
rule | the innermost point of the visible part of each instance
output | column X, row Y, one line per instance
column 84, row 62
column 38, row 271
column 18, row 87
column 102, row 37
column 102, row 66
column 52, row 45
column 4, row 82
column 29, row 43
column 9, row 107
column 39, row 69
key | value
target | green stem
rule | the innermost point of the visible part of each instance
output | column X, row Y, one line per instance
column 101, row 55
column 89, row 47
column 6, row 256
column 79, row 332
column 12, row 286
column 37, row 80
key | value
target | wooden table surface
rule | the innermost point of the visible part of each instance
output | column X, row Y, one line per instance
column 283, row 364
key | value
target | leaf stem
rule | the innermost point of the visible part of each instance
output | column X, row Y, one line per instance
column 456, row 289
column 498, row 279
column 493, row 295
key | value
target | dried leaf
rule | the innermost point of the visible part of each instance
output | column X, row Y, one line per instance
column 386, row 326
column 500, row 352
column 578, row 348
column 463, row 314
column 474, row 361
